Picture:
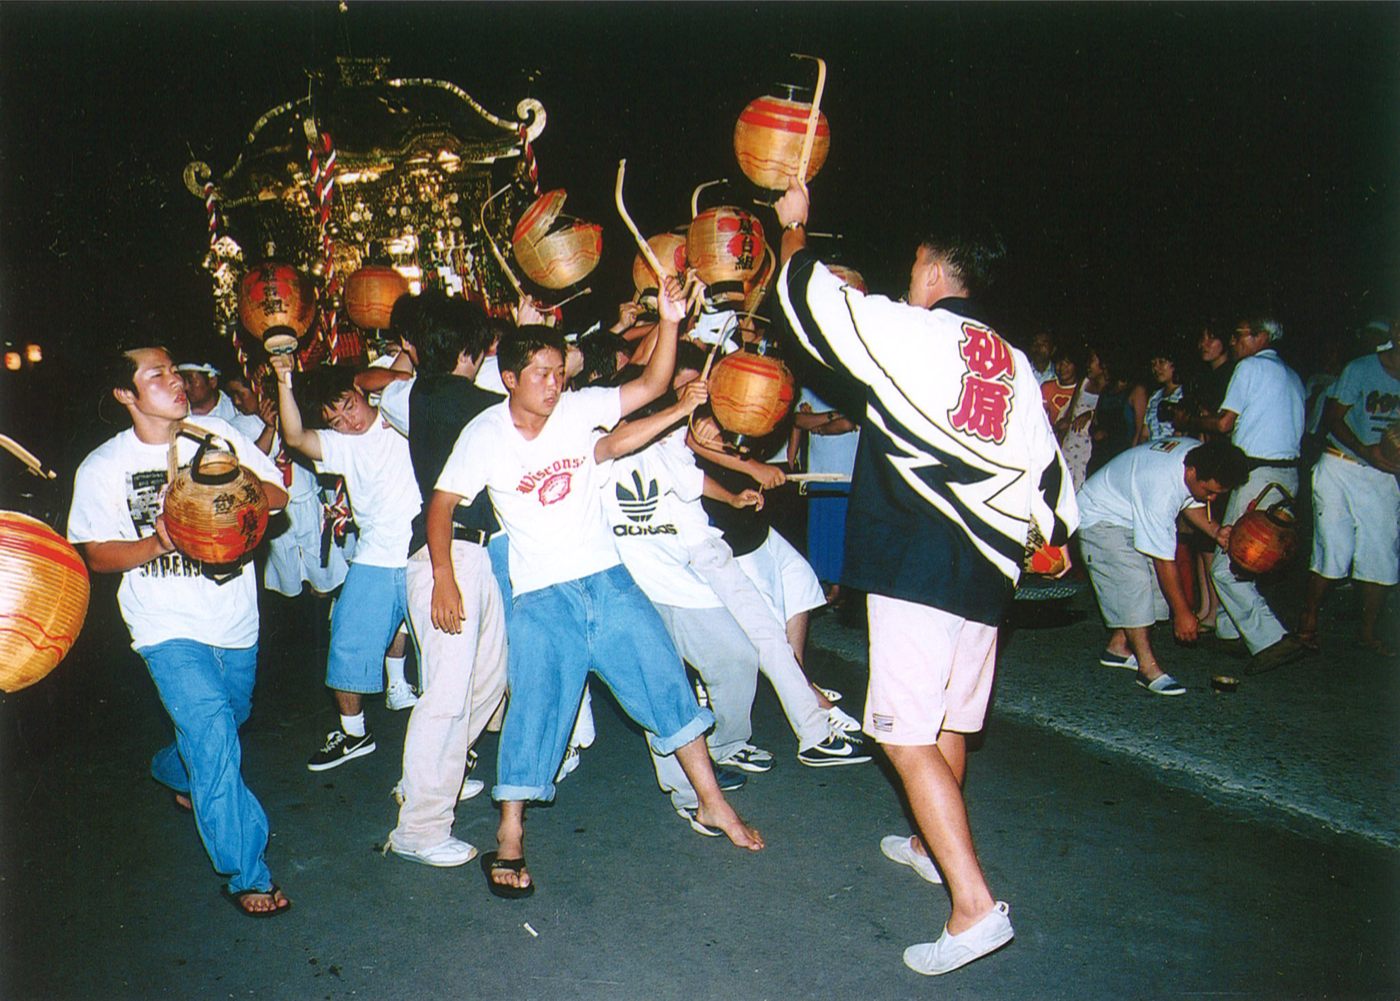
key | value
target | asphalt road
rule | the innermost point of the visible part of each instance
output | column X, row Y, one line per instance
column 1131, row 870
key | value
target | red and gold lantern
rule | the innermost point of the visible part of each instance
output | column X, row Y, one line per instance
column 726, row 248
column 1261, row 540
column 215, row 510
column 750, row 393
column 556, row 251
column 276, row 295
column 370, row 294
column 669, row 249
column 768, row 141
column 43, row 599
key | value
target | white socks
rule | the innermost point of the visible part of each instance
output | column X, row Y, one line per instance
column 355, row 725
column 393, row 667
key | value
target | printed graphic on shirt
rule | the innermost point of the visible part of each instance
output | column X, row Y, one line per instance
column 987, row 395
column 1165, row 445
column 552, row 483
column 638, row 504
column 143, row 503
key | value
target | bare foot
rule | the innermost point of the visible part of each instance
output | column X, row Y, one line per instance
column 916, row 843
column 263, row 903
column 722, row 815
column 510, row 847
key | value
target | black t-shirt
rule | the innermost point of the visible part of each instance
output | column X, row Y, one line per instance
column 439, row 406
column 743, row 528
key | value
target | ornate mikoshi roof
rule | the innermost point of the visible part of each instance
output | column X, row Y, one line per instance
column 378, row 124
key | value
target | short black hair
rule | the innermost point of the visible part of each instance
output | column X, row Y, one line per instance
column 324, row 386
column 690, row 355
column 600, row 350
column 118, row 368
column 972, row 247
column 441, row 328
column 519, row 345
column 1221, row 461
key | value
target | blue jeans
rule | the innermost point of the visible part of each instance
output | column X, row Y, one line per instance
column 208, row 692
column 372, row 603
column 603, row 623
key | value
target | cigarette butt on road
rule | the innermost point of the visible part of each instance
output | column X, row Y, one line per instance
column 533, row 933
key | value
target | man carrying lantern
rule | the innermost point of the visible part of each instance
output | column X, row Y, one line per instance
column 198, row 636
column 955, row 467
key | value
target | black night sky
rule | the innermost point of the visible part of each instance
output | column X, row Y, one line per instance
column 1149, row 164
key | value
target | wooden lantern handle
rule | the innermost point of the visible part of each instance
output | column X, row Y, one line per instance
column 695, row 194
column 495, row 250
column 812, row 116
column 27, row 457
column 205, row 439
column 642, row 245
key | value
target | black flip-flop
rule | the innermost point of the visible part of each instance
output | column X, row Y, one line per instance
column 236, row 899
column 491, row 862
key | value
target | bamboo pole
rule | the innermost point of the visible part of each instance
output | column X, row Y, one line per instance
column 811, row 135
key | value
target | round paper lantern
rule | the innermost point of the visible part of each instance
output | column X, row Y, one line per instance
column 725, row 247
column 556, row 251
column 215, row 510
column 669, row 249
column 750, row 392
column 370, row 294
column 275, row 295
column 1261, row 540
column 768, row 141
column 43, row 599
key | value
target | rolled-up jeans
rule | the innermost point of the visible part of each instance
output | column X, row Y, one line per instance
column 601, row 623
column 208, row 693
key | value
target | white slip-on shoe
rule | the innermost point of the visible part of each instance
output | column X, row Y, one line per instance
column 1163, row 684
column 451, row 852
column 901, row 849
column 470, row 789
column 1108, row 659
column 691, row 817
column 953, row 951
column 843, row 720
column 399, row 695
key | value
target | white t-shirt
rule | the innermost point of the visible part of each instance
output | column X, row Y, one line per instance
column 1373, row 395
column 393, row 403
column 383, row 492
column 1268, row 398
column 489, row 375
column 547, row 492
column 653, row 506
column 117, row 494
column 1143, row 489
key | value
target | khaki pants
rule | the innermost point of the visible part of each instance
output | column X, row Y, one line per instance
column 463, row 678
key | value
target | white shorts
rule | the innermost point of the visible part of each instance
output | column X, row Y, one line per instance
column 786, row 581
column 929, row 671
column 1124, row 579
column 1356, row 521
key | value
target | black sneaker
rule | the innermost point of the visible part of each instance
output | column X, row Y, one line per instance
column 730, row 779
column 837, row 749
column 749, row 759
column 339, row 748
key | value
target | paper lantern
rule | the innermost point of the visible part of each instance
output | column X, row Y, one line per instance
column 768, row 141
column 556, row 251
column 370, row 294
column 215, row 510
column 43, row 599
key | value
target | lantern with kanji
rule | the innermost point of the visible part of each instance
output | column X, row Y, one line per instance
column 725, row 247
column 768, row 141
column 274, row 295
column 43, row 599
column 215, row 510
column 1262, row 539
column 555, row 250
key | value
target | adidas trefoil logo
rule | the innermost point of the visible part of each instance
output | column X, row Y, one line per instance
column 640, row 505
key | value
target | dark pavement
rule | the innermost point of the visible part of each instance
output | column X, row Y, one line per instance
column 1126, row 878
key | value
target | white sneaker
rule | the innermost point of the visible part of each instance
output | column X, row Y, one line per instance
column 400, row 695
column 471, row 788
column 843, row 721
column 452, row 852
column 901, row 849
column 569, row 763
column 953, row 951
